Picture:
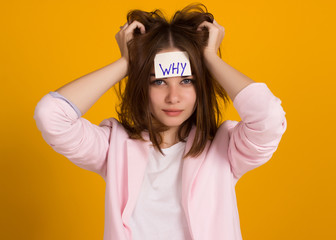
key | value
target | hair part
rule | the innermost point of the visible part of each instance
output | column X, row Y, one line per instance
column 180, row 32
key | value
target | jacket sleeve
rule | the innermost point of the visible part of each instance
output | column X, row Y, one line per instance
column 254, row 139
column 62, row 127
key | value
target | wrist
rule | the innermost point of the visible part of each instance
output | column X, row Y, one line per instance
column 210, row 57
column 124, row 66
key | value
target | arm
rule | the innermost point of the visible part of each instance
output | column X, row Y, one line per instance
column 58, row 114
column 83, row 143
column 254, row 139
column 86, row 90
column 229, row 78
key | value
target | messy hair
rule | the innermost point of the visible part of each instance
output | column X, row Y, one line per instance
column 180, row 32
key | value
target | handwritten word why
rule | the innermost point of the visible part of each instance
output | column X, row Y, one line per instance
column 171, row 64
column 172, row 67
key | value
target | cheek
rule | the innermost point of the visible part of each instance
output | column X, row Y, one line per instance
column 154, row 97
column 191, row 96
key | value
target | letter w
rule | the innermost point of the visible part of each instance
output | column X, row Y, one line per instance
column 165, row 71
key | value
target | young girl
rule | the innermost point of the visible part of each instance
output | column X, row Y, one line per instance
column 169, row 163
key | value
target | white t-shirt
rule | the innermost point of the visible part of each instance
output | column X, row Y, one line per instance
column 158, row 213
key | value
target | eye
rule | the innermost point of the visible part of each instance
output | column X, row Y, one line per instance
column 157, row 82
column 187, row 81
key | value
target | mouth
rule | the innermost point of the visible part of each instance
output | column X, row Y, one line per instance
column 172, row 112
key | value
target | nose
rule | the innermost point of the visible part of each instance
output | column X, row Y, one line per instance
column 172, row 95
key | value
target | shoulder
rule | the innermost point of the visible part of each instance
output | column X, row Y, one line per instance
column 117, row 130
column 109, row 122
column 224, row 131
column 114, row 126
column 226, row 126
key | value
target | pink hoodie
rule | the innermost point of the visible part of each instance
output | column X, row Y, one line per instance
column 208, row 181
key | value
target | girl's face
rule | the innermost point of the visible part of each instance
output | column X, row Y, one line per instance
column 172, row 99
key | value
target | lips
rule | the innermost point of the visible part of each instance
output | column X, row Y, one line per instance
column 172, row 112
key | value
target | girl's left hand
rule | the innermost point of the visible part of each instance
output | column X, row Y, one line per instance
column 126, row 34
column 216, row 35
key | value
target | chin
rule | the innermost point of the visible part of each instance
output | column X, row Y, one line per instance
column 173, row 122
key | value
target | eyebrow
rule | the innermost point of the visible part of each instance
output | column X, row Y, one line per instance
column 153, row 75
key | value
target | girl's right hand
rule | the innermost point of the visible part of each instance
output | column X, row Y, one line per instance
column 126, row 34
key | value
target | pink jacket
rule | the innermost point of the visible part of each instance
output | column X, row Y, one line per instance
column 208, row 181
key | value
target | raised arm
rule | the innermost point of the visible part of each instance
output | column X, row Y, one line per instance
column 58, row 114
column 254, row 139
column 86, row 90
column 229, row 78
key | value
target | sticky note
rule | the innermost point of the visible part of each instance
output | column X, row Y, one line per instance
column 172, row 64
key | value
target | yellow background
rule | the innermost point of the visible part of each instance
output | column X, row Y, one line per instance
column 289, row 45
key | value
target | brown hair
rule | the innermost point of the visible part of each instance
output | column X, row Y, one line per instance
column 180, row 32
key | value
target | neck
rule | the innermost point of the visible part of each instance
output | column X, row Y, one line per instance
column 169, row 138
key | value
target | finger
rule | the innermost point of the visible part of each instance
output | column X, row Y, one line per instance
column 206, row 24
column 136, row 24
column 124, row 26
column 219, row 26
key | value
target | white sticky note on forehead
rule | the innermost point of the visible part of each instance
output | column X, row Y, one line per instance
column 172, row 64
